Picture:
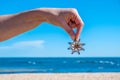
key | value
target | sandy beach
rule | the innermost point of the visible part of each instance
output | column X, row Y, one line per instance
column 61, row 76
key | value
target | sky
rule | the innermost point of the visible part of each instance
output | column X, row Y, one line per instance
column 101, row 32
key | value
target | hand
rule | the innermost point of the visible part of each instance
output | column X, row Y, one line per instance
column 67, row 18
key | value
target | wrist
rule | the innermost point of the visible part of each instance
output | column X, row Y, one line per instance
column 43, row 14
column 38, row 14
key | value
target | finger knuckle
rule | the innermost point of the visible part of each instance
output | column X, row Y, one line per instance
column 82, row 23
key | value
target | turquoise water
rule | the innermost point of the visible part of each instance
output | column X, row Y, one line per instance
column 58, row 65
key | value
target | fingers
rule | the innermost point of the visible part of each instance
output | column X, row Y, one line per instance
column 76, row 22
column 68, row 29
column 79, row 25
column 71, row 21
column 79, row 29
column 72, row 24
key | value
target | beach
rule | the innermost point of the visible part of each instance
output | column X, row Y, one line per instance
column 59, row 68
column 61, row 76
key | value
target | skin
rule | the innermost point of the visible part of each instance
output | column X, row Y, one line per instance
column 15, row 24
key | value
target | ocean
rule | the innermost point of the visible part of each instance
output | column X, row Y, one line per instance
column 59, row 65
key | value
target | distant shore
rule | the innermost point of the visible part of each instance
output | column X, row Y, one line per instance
column 61, row 76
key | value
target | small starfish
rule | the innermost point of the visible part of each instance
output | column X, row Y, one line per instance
column 76, row 46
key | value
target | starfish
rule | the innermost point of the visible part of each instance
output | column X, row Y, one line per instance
column 76, row 46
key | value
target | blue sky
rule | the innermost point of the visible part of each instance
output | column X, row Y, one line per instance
column 101, row 32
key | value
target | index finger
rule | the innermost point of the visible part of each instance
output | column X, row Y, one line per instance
column 79, row 29
column 79, row 26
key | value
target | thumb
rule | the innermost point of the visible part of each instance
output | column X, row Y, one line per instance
column 68, row 29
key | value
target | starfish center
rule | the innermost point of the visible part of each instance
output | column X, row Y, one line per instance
column 76, row 46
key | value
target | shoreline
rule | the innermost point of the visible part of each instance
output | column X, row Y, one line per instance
column 62, row 76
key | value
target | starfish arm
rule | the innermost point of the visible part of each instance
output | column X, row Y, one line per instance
column 83, row 49
column 70, row 43
column 79, row 48
column 69, row 48
column 78, row 52
column 72, row 52
column 83, row 44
